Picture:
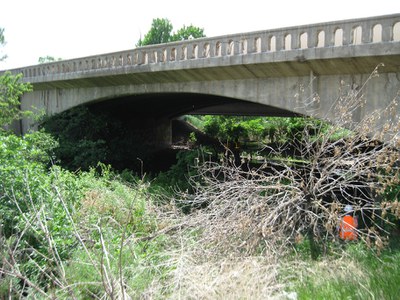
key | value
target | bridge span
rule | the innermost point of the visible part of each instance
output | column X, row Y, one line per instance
column 263, row 72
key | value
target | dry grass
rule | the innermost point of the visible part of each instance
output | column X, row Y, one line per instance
column 233, row 243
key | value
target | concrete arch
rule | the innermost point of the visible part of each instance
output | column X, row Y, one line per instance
column 274, row 92
column 286, row 94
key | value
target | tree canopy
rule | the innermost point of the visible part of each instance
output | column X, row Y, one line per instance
column 11, row 90
column 161, row 32
column 2, row 43
column 48, row 59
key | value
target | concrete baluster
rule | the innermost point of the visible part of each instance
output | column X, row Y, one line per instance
column 250, row 44
column 158, row 55
column 263, row 43
column 172, row 54
column 279, row 41
column 312, row 37
column 206, row 49
column 236, row 45
column 223, row 44
column 347, row 34
column 178, row 53
column 189, row 51
column 295, row 40
column 387, row 30
column 211, row 48
column 167, row 54
column 218, row 48
column 229, row 48
column 366, row 34
column 184, row 52
column 330, row 36
column 139, row 57
column 149, row 56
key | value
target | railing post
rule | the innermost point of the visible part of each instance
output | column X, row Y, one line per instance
column 211, row 48
column 312, row 37
column 366, row 34
column 189, row 51
column 330, row 36
column 347, row 34
column 295, row 40
column 387, row 30
column 279, row 41
column 264, row 43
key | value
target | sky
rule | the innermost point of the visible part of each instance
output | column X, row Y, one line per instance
column 78, row 28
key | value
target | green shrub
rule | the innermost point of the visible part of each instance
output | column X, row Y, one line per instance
column 177, row 177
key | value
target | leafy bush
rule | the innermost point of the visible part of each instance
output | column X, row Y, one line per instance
column 62, row 228
column 22, row 160
column 178, row 176
column 11, row 89
column 81, row 136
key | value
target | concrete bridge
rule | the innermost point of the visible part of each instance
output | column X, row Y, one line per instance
column 265, row 72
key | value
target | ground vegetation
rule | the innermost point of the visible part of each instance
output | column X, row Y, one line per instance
column 269, row 230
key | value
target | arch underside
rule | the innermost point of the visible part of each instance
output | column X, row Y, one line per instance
column 281, row 96
column 171, row 105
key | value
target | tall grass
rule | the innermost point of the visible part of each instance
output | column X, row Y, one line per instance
column 126, row 247
column 354, row 272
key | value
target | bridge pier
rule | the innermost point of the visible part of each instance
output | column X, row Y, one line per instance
column 151, row 132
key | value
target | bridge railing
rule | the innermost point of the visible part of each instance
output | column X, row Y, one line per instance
column 382, row 29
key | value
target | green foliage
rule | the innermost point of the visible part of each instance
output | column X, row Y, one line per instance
column 2, row 39
column 357, row 273
column 28, row 207
column 187, row 33
column 81, row 136
column 196, row 121
column 161, row 32
column 178, row 175
column 262, row 129
column 228, row 128
column 2, row 43
column 44, row 211
column 87, row 137
column 20, row 159
column 11, row 90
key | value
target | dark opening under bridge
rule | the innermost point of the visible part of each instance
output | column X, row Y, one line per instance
column 265, row 73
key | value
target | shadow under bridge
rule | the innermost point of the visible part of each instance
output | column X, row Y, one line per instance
column 144, row 126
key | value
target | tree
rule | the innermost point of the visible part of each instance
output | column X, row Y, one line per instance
column 161, row 32
column 47, row 59
column 2, row 43
column 187, row 33
column 11, row 90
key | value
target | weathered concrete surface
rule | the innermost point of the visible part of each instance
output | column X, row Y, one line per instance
column 283, row 92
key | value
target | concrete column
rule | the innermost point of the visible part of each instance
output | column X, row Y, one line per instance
column 163, row 133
